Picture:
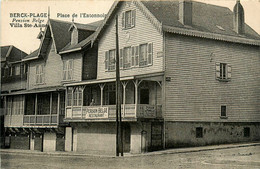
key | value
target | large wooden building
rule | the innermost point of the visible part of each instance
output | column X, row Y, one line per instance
column 190, row 76
column 37, row 123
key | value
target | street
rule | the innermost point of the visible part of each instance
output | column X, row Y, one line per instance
column 241, row 157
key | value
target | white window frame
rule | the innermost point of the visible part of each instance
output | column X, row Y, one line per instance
column 127, row 55
column 40, row 74
column 110, row 60
column 67, row 69
column 78, row 96
column 130, row 16
column 223, row 71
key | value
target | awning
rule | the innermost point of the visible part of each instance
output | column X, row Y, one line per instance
column 36, row 90
column 158, row 76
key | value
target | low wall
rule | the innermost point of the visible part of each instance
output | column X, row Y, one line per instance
column 183, row 134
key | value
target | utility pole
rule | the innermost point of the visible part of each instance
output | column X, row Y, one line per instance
column 119, row 140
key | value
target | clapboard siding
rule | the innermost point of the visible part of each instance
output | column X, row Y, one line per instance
column 77, row 65
column 143, row 32
column 53, row 67
column 16, row 85
column 194, row 94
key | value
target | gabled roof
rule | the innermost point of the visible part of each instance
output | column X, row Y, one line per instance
column 76, row 47
column 57, row 31
column 60, row 33
column 205, row 17
column 83, row 27
column 33, row 55
column 208, row 21
column 11, row 54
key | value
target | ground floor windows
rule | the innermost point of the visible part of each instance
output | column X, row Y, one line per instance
column 246, row 132
column 223, row 112
column 199, row 132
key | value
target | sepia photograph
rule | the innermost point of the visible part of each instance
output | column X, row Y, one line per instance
column 155, row 84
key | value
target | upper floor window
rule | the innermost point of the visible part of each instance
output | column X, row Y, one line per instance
column 68, row 69
column 127, row 57
column 39, row 74
column 110, row 60
column 145, row 55
column 17, row 70
column 128, row 19
column 15, row 105
column 223, row 71
column 132, row 56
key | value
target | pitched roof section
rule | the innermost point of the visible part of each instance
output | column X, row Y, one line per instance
column 209, row 21
column 60, row 33
column 71, row 48
column 33, row 55
column 11, row 54
column 205, row 17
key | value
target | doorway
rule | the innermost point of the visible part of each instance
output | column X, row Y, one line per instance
column 144, row 96
column 126, row 130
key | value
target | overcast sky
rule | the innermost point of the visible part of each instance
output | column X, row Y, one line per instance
column 25, row 38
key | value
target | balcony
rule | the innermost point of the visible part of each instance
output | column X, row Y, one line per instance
column 129, row 112
column 52, row 120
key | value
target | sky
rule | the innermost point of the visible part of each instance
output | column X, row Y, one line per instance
column 25, row 38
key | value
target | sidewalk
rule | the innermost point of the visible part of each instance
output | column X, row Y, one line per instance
column 161, row 152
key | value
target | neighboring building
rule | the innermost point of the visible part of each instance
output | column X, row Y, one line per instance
column 190, row 76
column 13, row 77
column 42, row 105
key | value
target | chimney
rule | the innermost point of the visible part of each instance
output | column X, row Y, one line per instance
column 185, row 12
column 238, row 18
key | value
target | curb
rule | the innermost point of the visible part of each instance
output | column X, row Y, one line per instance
column 161, row 152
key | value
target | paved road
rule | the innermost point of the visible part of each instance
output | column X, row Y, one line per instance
column 243, row 157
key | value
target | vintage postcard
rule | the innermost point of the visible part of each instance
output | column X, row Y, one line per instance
column 130, row 84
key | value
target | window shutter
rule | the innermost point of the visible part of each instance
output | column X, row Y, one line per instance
column 150, row 53
column 217, row 70
column 71, row 69
column 106, row 60
column 137, row 55
column 42, row 74
column 22, row 69
column 228, row 71
column 13, row 70
column 124, row 55
column 133, row 56
column 121, row 58
column 123, row 20
column 133, row 15
column 37, row 74
column 64, row 70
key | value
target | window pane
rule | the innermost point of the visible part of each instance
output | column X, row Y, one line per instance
column 143, row 54
column 128, row 19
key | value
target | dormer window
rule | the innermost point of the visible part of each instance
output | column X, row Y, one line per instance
column 74, row 36
column 128, row 19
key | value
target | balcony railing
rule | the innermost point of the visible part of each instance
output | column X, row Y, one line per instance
column 40, row 120
column 107, row 112
column 33, row 120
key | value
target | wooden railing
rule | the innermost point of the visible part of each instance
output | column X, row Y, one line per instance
column 40, row 120
column 33, row 120
column 109, row 111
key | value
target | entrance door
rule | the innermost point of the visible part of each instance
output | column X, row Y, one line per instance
column 144, row 96
column 157, row 136
column 126, row 136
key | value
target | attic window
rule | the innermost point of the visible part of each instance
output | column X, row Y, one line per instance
column 220, row 27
